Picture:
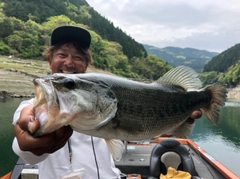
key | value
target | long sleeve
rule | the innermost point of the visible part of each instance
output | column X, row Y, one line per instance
column 26, row 156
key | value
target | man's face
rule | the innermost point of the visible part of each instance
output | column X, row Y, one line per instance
column 67, row 60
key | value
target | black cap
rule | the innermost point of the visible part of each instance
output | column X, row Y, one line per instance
column 64, row 34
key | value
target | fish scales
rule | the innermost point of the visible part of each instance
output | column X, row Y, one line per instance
column 152, row 111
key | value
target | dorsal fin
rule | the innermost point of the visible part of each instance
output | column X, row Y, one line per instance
column 182, row 76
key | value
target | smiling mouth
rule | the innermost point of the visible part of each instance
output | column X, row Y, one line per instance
column 68, row 72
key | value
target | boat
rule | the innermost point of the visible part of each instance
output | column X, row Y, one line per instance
column 142, row 161
column 138, row 159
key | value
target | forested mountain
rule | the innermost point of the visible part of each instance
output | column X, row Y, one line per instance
column 26, row 26
column 212, row 67
column 223, row 61
column 176, row 56
column 80, row 12
column 224, row 67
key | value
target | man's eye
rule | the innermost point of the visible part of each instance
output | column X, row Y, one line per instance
column 62, row 55
column 79, row 58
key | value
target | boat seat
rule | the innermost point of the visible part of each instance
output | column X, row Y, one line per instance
column 170, row 153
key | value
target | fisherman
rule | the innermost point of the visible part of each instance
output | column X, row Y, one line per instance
column 64, row 152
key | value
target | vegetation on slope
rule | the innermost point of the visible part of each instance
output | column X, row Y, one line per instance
column 26, row 26
column 25, row 35
column 224, row 68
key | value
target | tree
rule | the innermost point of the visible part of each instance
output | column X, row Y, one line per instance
column 4, row 48
column 6, row 28
column 14, row 41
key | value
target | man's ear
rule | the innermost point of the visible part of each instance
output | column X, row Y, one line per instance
column 86, row 67
column 49, row 57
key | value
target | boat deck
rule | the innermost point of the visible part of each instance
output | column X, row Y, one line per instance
column 136, row 160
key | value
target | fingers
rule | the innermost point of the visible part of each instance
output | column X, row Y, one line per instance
column 33, row 124
column 45, row 144
column 56, row 141
column 27, row 124
column 27, row 120
column 196, row 114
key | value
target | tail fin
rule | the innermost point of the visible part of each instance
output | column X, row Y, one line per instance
column 219, row 96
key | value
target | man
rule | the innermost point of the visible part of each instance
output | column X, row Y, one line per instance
column 80, row 154
column 64, row 152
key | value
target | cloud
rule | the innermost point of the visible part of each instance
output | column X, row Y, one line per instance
column 207, row 24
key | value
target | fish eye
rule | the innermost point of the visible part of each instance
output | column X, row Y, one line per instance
column 69, row 83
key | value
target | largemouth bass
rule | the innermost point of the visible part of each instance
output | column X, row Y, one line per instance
column 112, row 107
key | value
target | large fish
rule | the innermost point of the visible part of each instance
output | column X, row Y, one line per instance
column 112, row 107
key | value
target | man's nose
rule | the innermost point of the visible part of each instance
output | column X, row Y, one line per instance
column 69, row 61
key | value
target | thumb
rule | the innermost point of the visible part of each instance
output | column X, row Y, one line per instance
column 27, row 121
column 33, row 124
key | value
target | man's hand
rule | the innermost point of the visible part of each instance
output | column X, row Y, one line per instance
column 196, row 114
column 49, row 143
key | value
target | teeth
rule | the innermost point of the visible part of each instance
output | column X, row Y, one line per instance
column 39, row 98
column 67, row 72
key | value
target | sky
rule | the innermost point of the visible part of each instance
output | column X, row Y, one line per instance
column 212, row 25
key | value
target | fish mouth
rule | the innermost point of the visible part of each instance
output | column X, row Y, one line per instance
column 44, row 92
column 45, row 105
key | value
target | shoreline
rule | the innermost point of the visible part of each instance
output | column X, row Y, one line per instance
column 18, row 84
column 232, row 95
column 5, row 94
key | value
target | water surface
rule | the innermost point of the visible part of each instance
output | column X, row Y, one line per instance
column 222, row 142
column 7, row 156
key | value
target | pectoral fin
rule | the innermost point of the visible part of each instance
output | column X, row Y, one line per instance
column 116, row 148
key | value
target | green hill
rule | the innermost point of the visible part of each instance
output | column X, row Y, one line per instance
column 224, row 67
column 26, row 26
column 78, row 11
column 223, row 61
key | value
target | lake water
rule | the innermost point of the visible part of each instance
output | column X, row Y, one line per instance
column 222, row 142
column 7, row 156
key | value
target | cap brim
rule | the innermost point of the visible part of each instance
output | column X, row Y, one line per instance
column 65, row 34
